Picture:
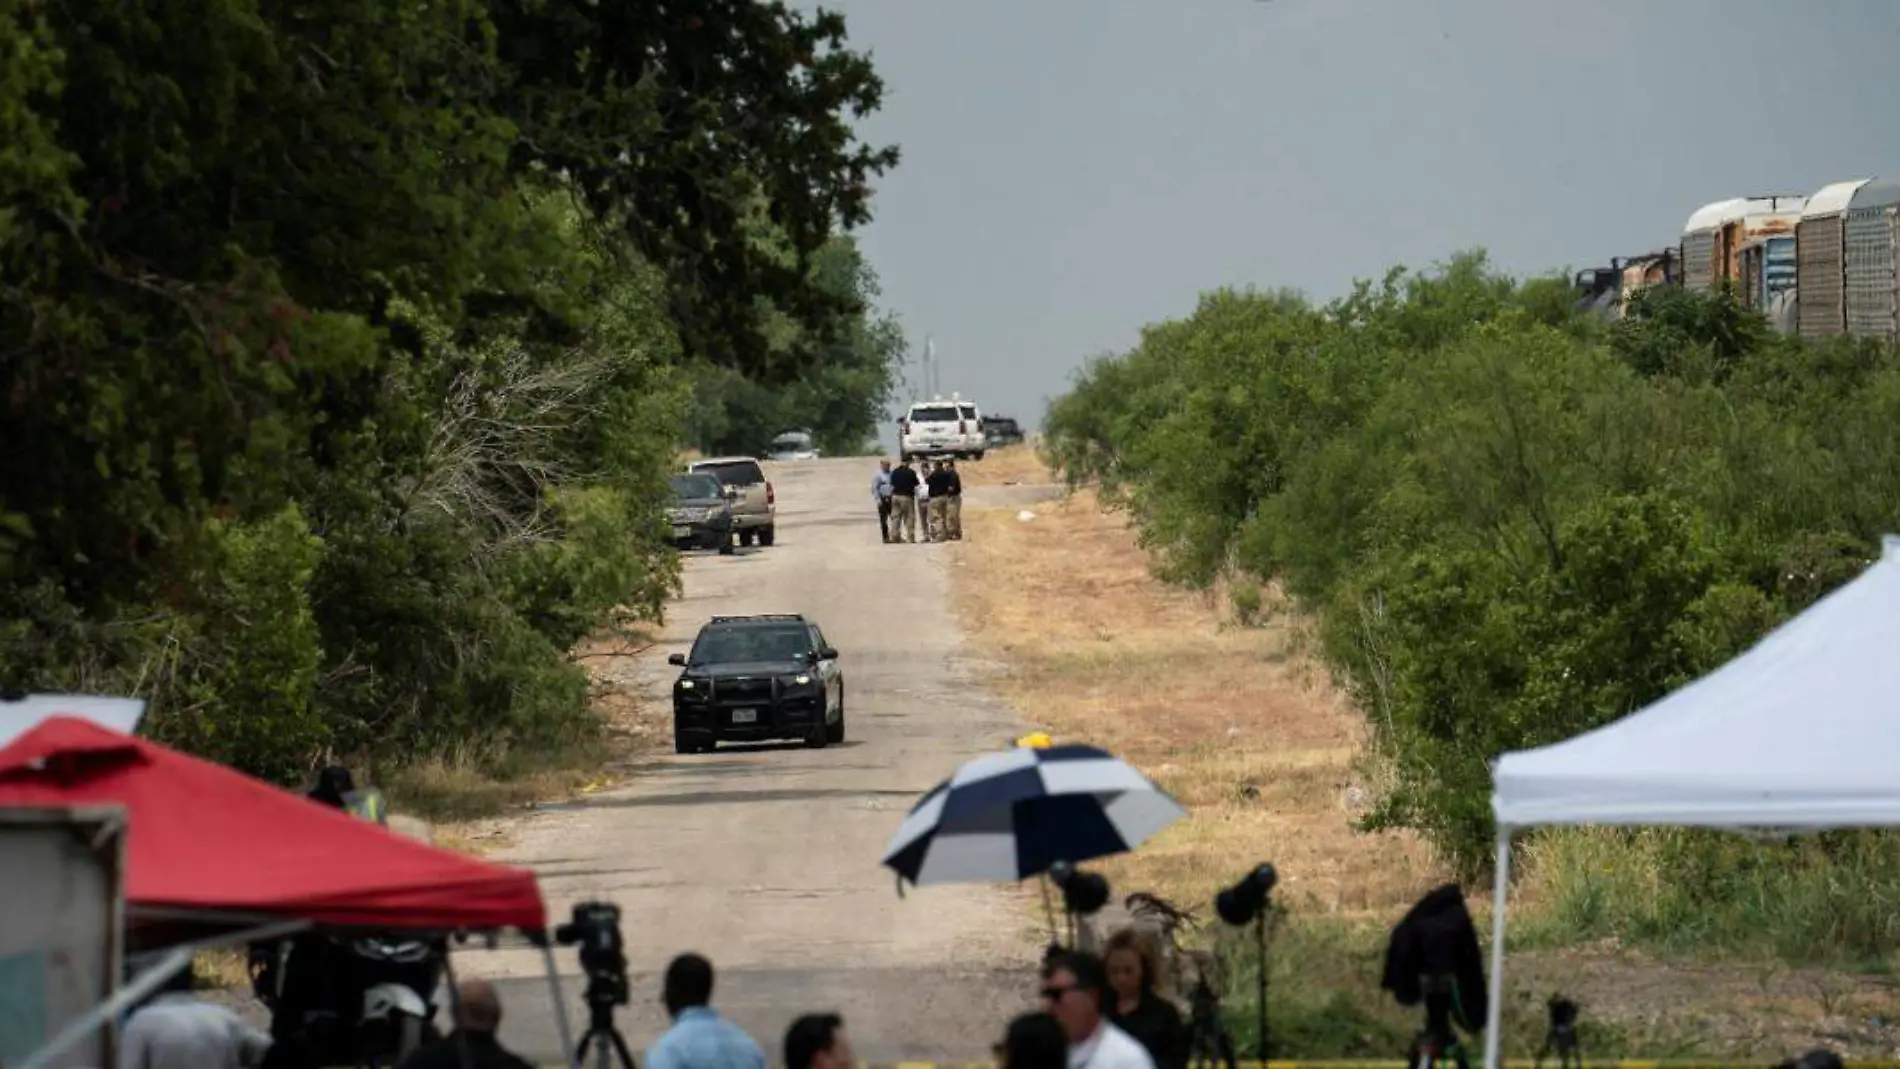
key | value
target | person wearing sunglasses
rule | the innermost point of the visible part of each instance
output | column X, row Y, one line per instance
column 1075, row 992
column 1033, row 1041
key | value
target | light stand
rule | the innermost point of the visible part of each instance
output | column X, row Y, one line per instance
column 1437, row 1039
column 1083, row 895
column 1246, row 903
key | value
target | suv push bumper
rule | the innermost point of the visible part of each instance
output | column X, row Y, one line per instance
column 702, row 534
column 750, row 710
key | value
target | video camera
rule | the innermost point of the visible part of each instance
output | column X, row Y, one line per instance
column 595, row 928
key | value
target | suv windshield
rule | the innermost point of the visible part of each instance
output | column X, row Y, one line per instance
column 737, row 473
column 688, row 487
column 729, row 645
column 934, row 414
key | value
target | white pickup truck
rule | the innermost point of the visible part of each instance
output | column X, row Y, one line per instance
column 940, row 428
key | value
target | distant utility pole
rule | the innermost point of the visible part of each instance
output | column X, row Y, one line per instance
column 931, row 385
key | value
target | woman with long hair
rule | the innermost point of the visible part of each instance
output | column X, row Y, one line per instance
column 1136, row 1006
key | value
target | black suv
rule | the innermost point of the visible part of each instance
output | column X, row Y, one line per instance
column 999, row 431
column 753, row 678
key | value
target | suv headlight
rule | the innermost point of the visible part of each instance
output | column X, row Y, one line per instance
column 802, row 679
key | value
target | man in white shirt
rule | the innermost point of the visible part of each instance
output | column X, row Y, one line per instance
column 1074, row 989
column 176, row 1030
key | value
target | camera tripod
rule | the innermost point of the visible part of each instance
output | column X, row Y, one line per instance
column 601, row 1034
column 1208, row 1043
column 1438, row 1043
column 1562, row 1036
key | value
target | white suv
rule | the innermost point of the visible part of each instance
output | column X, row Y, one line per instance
column 940, row 428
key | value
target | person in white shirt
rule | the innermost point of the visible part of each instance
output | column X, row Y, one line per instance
column 176, row 1030
column 924, row 514
column 1075, row 990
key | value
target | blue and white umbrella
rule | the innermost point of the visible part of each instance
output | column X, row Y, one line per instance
column 1010, row 816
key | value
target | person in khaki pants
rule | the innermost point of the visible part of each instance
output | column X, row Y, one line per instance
column 952, row 502
column 938, row 484
column 904, row 484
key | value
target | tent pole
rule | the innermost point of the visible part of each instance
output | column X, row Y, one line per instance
column 569, row 1056
column 1494, row 1010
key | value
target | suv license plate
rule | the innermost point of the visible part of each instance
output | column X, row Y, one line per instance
column 745, row 716
column 681, row 531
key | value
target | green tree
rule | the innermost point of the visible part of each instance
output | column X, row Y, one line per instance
column 676, row 122
column 840, row 401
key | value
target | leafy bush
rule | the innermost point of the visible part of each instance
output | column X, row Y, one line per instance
column 1514, row 524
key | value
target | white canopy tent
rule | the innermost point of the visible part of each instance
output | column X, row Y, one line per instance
column 1798, row 733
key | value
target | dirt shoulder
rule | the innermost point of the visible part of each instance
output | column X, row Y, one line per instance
column 1243, row 726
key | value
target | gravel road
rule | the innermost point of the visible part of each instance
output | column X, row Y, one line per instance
column 764, row 858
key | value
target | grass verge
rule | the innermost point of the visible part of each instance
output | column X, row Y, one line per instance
column 1214, row 696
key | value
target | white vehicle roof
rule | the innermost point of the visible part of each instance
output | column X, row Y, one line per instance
column 710, row 461
column 943, row 402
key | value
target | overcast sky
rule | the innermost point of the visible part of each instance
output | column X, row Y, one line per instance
column 1074, row 169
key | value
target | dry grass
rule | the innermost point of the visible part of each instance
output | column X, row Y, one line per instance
column 1007, row 466
column 1270, row 760
column 1228, row 719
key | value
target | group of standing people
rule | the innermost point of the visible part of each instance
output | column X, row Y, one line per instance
column 1097, row 1013
column 907, row 501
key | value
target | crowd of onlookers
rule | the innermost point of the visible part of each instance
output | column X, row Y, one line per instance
column 1098, row 1012
column 909, row 502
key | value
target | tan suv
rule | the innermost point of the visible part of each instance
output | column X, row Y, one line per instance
column 754, row 504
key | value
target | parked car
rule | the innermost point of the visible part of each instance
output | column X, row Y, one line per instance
column 792, row 445
column 940, row 428
column 754, row 503
column 701, row 513
column 755, row 678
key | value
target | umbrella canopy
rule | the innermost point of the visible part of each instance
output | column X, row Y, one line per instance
column 1009, row 816
column 203, row 838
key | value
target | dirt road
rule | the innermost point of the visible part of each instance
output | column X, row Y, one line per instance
column 764, row 858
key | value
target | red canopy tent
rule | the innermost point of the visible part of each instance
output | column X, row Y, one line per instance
column 202, row 837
